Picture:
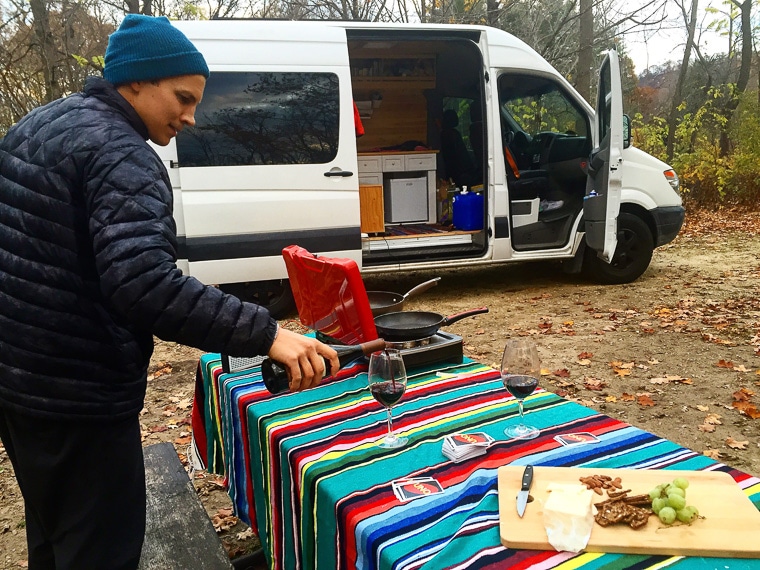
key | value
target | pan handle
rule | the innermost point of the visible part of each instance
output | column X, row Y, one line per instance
column 421, row 287
column 459, row 316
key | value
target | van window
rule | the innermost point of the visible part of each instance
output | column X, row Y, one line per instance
column 263, row 118
column 541, row 123
column 538, row 105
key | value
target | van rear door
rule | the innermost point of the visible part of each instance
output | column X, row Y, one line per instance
column 603, row 188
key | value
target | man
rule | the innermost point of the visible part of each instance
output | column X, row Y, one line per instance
column 87, row 277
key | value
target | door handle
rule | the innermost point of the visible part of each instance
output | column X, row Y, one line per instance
column 337, row 172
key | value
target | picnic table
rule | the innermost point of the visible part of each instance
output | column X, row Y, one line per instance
column 305, row 471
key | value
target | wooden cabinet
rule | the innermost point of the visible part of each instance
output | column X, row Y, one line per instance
column 371, row 208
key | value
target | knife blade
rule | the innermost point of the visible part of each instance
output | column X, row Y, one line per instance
column 522, row 496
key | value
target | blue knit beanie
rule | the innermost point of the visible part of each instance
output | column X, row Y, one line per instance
column 146, row 48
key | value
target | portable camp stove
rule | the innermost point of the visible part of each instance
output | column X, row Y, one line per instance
column 332, row 301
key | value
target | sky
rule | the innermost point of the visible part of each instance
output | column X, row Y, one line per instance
column 667, row 44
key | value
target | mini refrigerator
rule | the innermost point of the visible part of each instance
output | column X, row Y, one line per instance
column 406, row 200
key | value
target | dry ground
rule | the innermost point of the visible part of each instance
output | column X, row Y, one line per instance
column 676, row 353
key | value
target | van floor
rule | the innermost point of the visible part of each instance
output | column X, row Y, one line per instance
column 418, row 230
column 415, row 242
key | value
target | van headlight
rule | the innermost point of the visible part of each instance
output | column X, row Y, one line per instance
column 672, row 178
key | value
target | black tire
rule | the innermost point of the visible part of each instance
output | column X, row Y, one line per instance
column 632, row 255
column 275, row 295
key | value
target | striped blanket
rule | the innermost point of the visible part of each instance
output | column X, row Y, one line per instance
column 306, row 472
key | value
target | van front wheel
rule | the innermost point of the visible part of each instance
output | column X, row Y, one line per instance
column 632, row 255
column 275, row 295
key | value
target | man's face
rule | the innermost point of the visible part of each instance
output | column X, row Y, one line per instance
column 166, row 106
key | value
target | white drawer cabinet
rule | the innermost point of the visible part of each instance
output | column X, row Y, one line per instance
column 420, row 162
column 375, row 170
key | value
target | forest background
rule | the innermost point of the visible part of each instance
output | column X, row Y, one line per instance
column 699, row 112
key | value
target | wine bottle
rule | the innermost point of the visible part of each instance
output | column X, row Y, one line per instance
column 275, row 375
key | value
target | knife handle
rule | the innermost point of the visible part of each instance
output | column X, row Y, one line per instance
column 527, row 478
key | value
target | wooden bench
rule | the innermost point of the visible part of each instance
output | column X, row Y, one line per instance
column 179, row 534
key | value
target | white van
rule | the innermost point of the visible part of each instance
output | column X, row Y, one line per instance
column 274, row 158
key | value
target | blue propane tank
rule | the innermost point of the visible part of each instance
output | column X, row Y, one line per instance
column 468, row 211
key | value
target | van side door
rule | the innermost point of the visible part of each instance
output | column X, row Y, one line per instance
column 601, row 205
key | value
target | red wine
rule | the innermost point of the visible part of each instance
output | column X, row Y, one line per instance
column 276, row 377
column 520, row 385
column 387, row 393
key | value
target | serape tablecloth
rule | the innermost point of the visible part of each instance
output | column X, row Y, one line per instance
column 322, row 487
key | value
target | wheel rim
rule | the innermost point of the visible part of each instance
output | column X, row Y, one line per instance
column 628, row 248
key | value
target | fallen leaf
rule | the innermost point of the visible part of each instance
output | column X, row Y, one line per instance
column 544, row 371
column 583, row 362
column 741, row 368
column 611, row 399
column 712, row 453
column 713, row 419
column 563, row 373
column 667, row 379
column 628, row 397
column 748, row 409
column 645, row 400
column 733, row 444
column 589, row 355
column 163, row 368
column 703, row 408
column 742, row 395
column 707, row 428
column 724, row 364
column 594, row 384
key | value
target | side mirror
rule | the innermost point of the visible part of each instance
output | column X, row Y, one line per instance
column 626, row 131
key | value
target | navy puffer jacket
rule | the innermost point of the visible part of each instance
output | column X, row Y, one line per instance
column 87, row 264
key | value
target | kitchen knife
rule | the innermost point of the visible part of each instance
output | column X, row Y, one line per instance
column 522, row 496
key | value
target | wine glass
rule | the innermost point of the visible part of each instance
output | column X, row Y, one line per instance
column 387, row 382
column 520, row 368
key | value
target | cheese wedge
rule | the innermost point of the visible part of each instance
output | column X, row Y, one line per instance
column 569, row 516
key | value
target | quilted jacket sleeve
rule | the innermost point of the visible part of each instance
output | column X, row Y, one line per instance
column 134, row 242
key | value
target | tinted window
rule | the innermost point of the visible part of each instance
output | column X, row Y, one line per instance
column 263, row 118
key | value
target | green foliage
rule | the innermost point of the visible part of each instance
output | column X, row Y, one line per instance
column 705, row 176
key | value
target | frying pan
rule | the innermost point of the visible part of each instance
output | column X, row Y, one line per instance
column 382, row 302
column 412, row 325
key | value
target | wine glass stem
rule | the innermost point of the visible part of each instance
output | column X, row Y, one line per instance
column 520, row 406
column 390, row 424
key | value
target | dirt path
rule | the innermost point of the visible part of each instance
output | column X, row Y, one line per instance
column 676, row 353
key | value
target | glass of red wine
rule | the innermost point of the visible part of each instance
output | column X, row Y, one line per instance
column 520, row 368
column 387, row 383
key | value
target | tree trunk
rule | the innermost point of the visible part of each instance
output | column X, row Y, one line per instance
column 678, row 92
column 585, row 48
column 744, row 68
column 47, row 49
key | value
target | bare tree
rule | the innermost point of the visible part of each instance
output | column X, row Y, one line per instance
column 689, row 14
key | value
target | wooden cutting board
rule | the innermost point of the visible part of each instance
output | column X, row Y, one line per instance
column 731, row 527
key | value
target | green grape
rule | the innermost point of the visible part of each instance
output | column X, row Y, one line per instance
column 681, row 482
column 654, row 493
column 658, row 504
column 673, row 490
column 667, row 515
column 687, row 514
column 676, row 501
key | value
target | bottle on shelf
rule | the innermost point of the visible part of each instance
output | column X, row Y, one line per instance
column 275, row 375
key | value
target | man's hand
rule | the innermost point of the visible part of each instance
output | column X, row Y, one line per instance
column 302, row 358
